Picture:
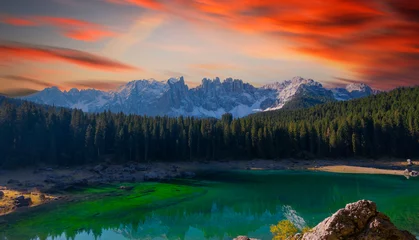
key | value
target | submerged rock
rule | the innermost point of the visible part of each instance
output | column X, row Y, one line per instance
column 359, row 220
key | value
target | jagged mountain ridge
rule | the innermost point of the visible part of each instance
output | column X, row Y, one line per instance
column 212, row 98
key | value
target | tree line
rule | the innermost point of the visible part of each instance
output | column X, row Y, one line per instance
column 384, row 125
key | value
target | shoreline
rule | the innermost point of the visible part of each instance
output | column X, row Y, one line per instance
column 55, row 182
column 358, row 170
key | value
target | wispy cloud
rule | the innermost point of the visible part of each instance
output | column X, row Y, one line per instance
column 94, row 84
column 376, row 40
column 152, row 4
column 69, row 27
column 141, row 29
column 24, row 79
column 18, row 92
column 37, row 53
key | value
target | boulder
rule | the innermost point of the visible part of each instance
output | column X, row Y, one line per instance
column 244, row 238
column 414, row 173
column 359, row 220
column 1, row 194
column 21, row 201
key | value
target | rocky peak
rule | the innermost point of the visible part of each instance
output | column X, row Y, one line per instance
column 233, row 85
column 301, row 80
column 52, row 89
column 361, row 87
column 74, row 91
column 179, row 80
column 359, row 220
column 178, row 84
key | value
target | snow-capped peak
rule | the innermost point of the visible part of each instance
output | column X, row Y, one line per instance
column 361, row 87
column 176, row 80
column 52, row 89
column 212, row 98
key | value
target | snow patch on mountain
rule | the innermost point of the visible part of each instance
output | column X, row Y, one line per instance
column 352, row 91
column 212, row 98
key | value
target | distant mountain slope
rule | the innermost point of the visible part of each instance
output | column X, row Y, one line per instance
column 212, row 98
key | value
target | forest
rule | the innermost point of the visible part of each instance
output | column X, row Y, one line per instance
column 383, row 125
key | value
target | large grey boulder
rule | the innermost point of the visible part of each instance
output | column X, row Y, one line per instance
column 244, row 238
column 359, row 220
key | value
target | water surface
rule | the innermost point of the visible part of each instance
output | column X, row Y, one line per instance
column 218, row 206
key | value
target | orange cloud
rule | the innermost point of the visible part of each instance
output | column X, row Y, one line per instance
column 152, row 4
column 378, row 40
column 95, row 84
column 30, row 52
column 69, row 27
column 17, row 21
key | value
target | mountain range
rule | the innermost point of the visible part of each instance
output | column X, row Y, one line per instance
column 212, row 98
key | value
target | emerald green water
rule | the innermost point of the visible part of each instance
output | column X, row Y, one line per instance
column 216, row 206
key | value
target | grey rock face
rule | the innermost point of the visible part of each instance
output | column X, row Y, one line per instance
column 359, row 220
column 212, row 98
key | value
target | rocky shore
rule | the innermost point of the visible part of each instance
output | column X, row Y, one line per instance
column 359, row 220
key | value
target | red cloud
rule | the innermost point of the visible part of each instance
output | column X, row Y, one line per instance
column 377, row 39
column 69, row 27
column 17, row 21
column 152, row 4
column 38, row 53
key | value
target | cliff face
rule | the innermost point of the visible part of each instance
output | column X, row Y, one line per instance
column 359, row 220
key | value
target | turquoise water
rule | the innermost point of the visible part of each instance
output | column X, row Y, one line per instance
column 226, row 205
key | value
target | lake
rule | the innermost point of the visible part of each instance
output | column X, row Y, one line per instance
column 216, row 206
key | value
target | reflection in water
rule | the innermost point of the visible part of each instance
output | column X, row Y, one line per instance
column 240, row 203
column 292, row 216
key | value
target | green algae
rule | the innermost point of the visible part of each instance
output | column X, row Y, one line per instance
column 97, row 208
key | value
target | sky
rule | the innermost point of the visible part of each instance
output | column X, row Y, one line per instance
column 103, row 44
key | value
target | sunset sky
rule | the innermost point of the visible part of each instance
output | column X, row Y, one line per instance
column 105, row 43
